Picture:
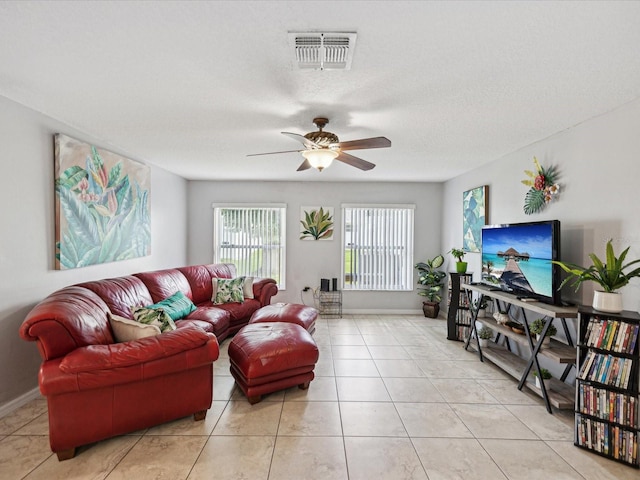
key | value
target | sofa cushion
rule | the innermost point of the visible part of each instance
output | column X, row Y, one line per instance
column 153, row 316
column 125, row 330
column 227, row 290
column 120, row 293
column 238, row 312
column 177, row 306
column 164, row 283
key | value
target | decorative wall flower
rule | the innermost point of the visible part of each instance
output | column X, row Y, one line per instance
column 543, row 189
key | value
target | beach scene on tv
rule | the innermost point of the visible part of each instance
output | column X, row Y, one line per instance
column 519, row 258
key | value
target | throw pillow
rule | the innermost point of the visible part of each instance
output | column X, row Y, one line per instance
column 228, row 290
column 247, row 287
column 177, row 306
column 154, row 316
column 125, row 330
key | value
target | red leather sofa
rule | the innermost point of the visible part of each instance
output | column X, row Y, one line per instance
column 97, row 388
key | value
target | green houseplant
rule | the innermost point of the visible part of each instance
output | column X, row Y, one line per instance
column 546, row 375
column 484, row 335
column 536, row 328
column 458, row 254
column 609, row 274
column 430, row 281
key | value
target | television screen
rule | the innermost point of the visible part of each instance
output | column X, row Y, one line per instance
column 517, row 258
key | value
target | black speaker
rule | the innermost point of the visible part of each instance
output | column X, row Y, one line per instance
column 334, row 284
column 324, row 284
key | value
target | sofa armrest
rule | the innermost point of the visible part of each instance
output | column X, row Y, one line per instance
column 126, row 354
column 264, row 289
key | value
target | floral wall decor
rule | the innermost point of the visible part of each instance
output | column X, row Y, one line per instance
column 317, row 223
column 102, row 205
column 543, row 187
column 474, row 217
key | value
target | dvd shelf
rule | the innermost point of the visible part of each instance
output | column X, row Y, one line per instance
column 607, row 385
column 459, row 306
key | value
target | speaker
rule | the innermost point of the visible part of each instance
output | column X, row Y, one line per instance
column 324, row 284
column 334, row 284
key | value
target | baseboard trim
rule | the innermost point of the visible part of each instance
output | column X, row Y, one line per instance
column 379, row 311
column 12, row 405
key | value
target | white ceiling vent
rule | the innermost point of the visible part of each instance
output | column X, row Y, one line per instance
column 323, row 51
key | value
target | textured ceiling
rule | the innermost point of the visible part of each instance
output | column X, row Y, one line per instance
column 194, row 87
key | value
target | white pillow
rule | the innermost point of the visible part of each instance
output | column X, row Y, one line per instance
column 125, row 330
column 247, row 287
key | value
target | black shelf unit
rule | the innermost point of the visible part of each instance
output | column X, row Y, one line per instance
column 607, row 385
column 459, row 306
column 554, row 392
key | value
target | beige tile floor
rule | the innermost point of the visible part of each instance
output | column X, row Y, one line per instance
column 392, row 399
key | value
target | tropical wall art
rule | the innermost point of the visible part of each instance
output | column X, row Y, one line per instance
column 102, row 205
column 316, row 223
column 543, row 187
column 474, row 217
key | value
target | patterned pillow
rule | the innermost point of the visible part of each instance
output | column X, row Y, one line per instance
column 177, row 306
column 228, row 290
column 153, row 316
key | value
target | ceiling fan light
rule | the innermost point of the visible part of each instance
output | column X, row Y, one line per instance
column 320, row 158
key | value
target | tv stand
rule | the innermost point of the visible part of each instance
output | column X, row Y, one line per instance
column 554, row 392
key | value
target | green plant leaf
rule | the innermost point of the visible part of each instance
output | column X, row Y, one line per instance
column 71, row 177
column 533, row 201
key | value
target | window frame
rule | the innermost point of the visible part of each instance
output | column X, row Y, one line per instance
column 217, row 257
column 410, row 246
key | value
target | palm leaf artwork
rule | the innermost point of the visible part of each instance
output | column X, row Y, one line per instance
column 317, row 224
column 543, row 187
column 103, row 217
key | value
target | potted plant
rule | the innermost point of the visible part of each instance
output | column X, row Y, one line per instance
column 546, row 375
column 430, row 281
column 481, row 306
column 536, row 328
column 610, row 275
column 458, row 254
column 484, row 335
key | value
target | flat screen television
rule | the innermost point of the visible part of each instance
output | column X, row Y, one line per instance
column 517, row 257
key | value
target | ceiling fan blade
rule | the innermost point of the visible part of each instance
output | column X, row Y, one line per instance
column 308, row 144
column 272, row 153
column 304, row 166
column 355, row 161
column 375, row 142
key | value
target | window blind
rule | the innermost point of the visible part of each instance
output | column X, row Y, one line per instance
column 378, row 247
column 252, row 238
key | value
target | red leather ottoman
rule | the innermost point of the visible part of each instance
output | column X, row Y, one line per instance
column 266, row 357
column 287, row 312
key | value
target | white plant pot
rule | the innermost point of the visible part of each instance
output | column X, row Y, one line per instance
column 484, row 343
column 546, row 343
column 610, row 302
column 538, row 383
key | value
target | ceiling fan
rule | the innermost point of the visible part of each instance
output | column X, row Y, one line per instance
column 321, row 148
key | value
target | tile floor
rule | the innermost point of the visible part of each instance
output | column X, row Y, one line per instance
column 392, row 399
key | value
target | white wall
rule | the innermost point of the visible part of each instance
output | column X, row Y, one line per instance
column 599, row 164
column 307, row 262
column 27, row 234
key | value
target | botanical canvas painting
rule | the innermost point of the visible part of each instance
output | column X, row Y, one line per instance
column 316, row 223
column 474, row 217
column 102, row 205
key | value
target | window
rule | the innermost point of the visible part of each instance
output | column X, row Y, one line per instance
column 253, row 238
column 377, row 247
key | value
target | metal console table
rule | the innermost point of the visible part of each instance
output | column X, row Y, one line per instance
column 554, row 392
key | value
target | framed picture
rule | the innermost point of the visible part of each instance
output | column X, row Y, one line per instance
column 474, row 216
column 102, row 205
column 316, row 223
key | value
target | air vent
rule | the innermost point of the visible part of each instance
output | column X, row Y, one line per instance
column 323, row 51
